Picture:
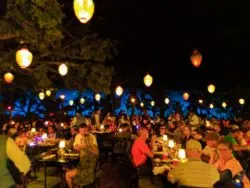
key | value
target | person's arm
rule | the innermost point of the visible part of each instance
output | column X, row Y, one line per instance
column 172, row 176
column 19, row 158
column 77, row 142
column 145, row 149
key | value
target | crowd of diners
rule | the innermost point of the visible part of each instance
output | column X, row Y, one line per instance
column 212, row 146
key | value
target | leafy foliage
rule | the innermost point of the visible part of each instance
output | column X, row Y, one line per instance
column 54, row 38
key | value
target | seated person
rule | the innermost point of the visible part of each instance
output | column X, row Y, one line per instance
column 86, row 144
column 140, row 150
column 227, row 161
column 194, row 172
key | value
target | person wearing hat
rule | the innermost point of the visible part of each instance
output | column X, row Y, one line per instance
column 194, row 172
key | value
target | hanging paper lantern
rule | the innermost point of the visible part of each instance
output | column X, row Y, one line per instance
column 82, row 100
column 224, row 104
column 132, row 100
column 62, row 96
column 41, row 95
column 152, row 103
column 196, row 58
column 167, row 101
column 24, row 57
column 84, row 10
column 71, row 102
column 211, row 106
column 211, row 88
column 8, row 77
column 119, row 90
column 48, row 92
column 63, row 69
column 142, row 104
column 148, row 80
column 200, row 101
column 97, row 97
column 242, row 101
column 185, row 96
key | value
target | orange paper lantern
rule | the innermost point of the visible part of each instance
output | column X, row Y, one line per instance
column 8, row 77
column 196, row 58
column 24, row 57
column 185, row 96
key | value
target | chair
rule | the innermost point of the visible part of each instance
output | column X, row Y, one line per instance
column 121, row 150
column 226, row 176
column 96, row 177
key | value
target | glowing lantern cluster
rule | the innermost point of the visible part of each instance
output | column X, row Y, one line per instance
column 119, row 91
column 63, row 69
column 41, row 95
column 8, row 77
column 24, row 57
column 242, row 101
column 211, row 88
column 185, row 96
column 196, row 58
column 148, row 80
column 97, row 97
column 84, row 10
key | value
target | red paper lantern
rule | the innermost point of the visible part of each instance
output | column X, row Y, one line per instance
column 196, row 58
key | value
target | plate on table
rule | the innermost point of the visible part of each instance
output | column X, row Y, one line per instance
column 158, row 152
column 71, row 155
column 167, row 160
column 157, row 160
column 48, row 157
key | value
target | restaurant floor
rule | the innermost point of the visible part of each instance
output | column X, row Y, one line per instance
column 114, row 176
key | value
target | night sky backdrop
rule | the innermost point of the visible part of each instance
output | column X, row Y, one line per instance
column 159, row 36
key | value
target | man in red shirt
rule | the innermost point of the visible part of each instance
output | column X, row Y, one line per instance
column 140, row 150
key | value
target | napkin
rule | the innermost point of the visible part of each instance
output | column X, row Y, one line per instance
column 160, row 170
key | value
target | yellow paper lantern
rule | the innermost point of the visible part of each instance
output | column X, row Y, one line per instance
column 63, row 69
column 185, row 96
column 97, row 97
column 119, row 90
column 148, row 80
column 211, row 88
column 211, row 106
column 132, row 100
column 196, row 58
column 152, row 103
column 62, row 96
column 82, row 100
column 224, row 104
column 8, row 77
column 242, row 101
column 24, row 57
column 142, row 104
column 167, row 101
column 200, row 101
column 41, row 95
column 71, row 102
column 84, row 10
column 48, row 92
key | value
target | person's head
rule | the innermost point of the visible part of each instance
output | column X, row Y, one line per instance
column 51, row 129
column 212, row 139
column 193, row 149
column 74, row 130
column 235, row 132
column 181, row 125
column 148, row 125
column 78, row 113
column 217, row 128
column 162, row 130
column 143, row 133
column 187, row 131
column 88, row 121
column 248, row 134
column 225, row 149
column 83, row 129
column 197, row 134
